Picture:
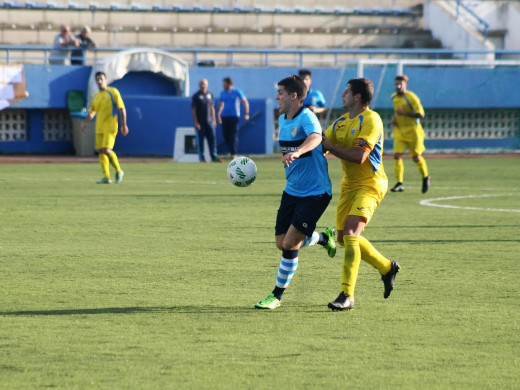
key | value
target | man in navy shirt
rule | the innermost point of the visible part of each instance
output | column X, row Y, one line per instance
column 314, row 101
column 203, row 112
column 229, row 114
column 308, row 190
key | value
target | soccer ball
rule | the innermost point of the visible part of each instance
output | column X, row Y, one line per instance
column 241, row 171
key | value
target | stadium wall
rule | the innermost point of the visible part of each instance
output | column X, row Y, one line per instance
column 152, row 117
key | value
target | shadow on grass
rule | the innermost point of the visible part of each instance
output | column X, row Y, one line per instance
column 131, row 310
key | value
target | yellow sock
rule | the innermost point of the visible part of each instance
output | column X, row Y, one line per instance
column 399, row 170
column 114, row 161
column 372, row 256
column 103, row 160
column 350, row 265
column 423, row 168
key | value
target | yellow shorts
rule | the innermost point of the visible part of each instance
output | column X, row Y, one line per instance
column 362, row 202
column 105, row 140
column 416, row 147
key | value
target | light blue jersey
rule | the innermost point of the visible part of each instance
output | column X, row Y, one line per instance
column 231, row 101
column 314, row 98
column 308, row 175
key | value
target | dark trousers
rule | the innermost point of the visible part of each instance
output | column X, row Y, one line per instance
column 207, row 131
column 230, row 132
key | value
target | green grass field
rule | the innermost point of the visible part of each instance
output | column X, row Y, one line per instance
column 150, row 284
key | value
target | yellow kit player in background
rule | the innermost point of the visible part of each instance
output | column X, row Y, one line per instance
column 106, row 104
column 357, row 139
column 408, row 133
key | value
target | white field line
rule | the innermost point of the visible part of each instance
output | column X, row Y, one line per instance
column 433, row 203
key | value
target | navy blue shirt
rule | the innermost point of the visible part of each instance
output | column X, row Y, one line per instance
column 202, row 102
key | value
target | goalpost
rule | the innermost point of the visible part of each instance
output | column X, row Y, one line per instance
column 471, row 105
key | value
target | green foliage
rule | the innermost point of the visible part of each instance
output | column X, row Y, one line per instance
column 151, row 283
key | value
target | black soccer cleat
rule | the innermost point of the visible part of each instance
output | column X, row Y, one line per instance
column 425, row 184
column 389, row 278
column 398, row 187
column 342, row 302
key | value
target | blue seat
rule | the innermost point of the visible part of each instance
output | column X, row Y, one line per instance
column 161, row 8
column 243, row 10
column 13, row 4
column 363, row 11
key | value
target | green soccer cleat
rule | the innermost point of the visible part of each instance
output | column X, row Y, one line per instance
column 104, row 181
column 119, row 177
column 269, row 302
column 330, row 246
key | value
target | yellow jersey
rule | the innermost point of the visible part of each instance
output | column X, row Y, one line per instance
column 105, row 105
column 408, row 128
column 365, row 131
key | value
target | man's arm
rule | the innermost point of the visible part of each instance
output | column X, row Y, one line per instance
column 213, row 119
column 124, row 127
column 246, row 108
column 318, row 110
column 416, row 115
column 87, row 119
column 356, row 154
column 220, row 108
column 194, row 115
column 310, row 143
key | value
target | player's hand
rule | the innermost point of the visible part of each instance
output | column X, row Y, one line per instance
column 325, row 144
column 83, row 126
column 197, row 126
column 288, row 158
column 124, row 130
column 219, row 119
column 312, row 108
column 393, row 121
column 246, row 117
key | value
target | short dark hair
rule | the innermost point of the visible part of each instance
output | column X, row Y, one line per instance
column 228, row 80
column 101, row 74
column 304, row 73
column 401, row 77
column 364, row 87
column 294, row 84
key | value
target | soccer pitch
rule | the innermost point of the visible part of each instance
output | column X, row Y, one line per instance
column 150, row 284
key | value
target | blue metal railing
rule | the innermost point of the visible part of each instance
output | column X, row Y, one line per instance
column 259, row 56
column 462, row 10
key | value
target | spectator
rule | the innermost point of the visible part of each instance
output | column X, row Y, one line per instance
column 314, row 101
column 229, row 114
column 203, row 112
column 60, row 52
column 85, row 42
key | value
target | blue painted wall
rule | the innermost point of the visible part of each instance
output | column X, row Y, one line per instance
column 438, row 87
column 153, row 113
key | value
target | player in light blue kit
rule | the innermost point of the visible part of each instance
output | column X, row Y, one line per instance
column 314, row 101
column 308, row 190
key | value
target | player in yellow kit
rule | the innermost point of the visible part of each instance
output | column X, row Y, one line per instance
column 408, row 133
column 357, row 139
column 106, row 104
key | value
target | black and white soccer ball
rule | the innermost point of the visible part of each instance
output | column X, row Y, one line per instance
column 241, row 171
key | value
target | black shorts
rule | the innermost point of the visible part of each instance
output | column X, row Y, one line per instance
column 302, row 213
